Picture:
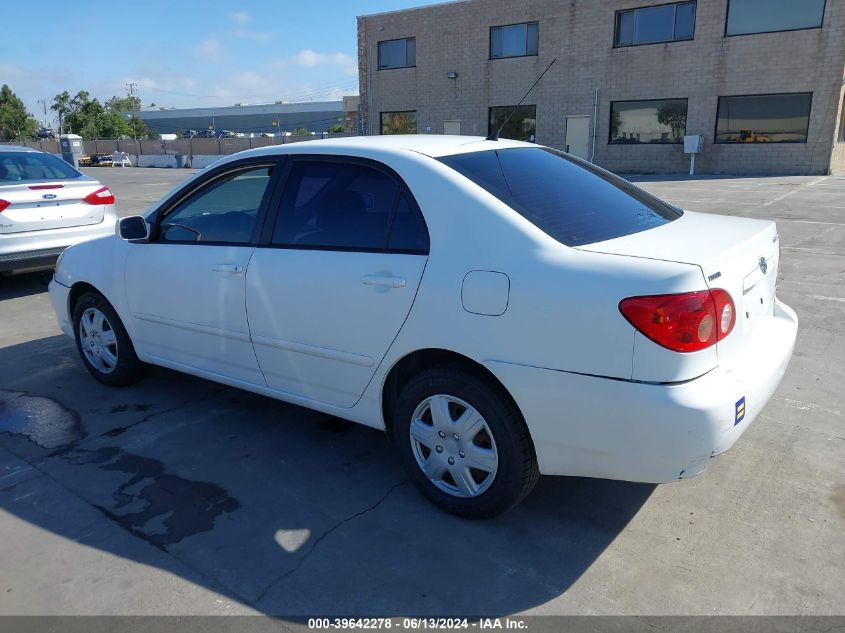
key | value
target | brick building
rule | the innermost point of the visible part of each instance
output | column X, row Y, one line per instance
column 760, row 80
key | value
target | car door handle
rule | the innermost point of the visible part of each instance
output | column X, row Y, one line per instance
column 231, row 269
column 381, row 280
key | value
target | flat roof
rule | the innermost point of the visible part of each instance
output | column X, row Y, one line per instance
column 428, row 6
column 233, row 110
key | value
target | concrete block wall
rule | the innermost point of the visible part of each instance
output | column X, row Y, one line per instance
column 454, row 37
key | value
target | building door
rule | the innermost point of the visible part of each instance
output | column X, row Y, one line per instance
column 452, row 127
column 578, row 136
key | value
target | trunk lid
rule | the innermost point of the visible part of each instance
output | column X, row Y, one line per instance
column 54, row 204
column 740, row 255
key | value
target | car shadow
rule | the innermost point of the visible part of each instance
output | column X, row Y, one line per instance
column 283, row 509
column 24, row 284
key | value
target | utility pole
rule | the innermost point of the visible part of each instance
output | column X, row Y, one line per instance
column 130, row 90
column 43, row 102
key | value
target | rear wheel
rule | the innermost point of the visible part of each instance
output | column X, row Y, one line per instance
column 102, row 342
column 463, row 443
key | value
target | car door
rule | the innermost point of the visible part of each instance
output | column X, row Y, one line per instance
column 185, row 287
column 334, row 278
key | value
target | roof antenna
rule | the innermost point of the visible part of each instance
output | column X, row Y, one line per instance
column 494, row 136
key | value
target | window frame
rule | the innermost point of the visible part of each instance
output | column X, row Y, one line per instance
column 524, row 105
column 654, row 6
column 502, row 26
column 765, row 94
column 610, row 120
column 196, row 186
column 802, row 28
column 381, row 124
column 270, row 221
column 396, row 39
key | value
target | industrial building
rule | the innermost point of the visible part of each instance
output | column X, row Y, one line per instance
column 760, row 80
column 272, row 118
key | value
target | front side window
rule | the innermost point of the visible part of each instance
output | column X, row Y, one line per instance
column 17, row 166
column 652, row 121
column 345, row 206
column 224, row 211
column 397, row 53
column 399, row 122
column 650, row 25
column 782, row 118
column 569, row 199
column 514, row 40
column 767, row 16
column 520, row 123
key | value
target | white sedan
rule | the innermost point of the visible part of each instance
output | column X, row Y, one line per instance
column 503, row 310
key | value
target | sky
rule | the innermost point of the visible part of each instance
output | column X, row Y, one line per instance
column 185, row 53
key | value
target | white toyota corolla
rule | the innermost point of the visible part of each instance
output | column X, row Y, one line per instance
column 501, row 309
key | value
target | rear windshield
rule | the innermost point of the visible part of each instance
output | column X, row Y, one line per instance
column 17, row 166
column 569, row 199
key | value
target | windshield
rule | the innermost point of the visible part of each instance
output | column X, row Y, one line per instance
column 569, row 199
column 18, row 166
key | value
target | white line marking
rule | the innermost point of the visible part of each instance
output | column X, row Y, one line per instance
column 793, row 191
column 808, row 222
column 20, row 470
column 809, row 406
column 823, row 298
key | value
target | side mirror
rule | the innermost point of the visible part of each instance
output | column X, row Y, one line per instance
column 133, row 229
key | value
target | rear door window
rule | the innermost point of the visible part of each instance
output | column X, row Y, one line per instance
column 346, row 206
column 571, row 200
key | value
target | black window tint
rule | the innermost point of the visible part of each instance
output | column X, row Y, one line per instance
column 781, row 118
column 350, row 209
column 224, row 211
column 407, row 233
column 514, row 40
column 766, row 16
column 652, row 121
column 397, row 53
column 16, row 166
column 569, row 199
column 650, row 25
column 520, row 123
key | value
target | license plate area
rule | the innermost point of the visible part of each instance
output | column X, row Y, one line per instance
column 758, row 295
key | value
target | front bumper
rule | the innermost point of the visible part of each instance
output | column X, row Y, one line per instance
column 615, row 429
column 59, row 294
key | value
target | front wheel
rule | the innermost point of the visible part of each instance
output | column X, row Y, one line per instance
column 463, row 443
column 102, row 342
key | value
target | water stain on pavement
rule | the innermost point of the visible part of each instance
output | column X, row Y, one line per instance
column 155, row 505
column 42, row 420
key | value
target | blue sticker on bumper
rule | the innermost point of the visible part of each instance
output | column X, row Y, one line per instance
column 740, row 411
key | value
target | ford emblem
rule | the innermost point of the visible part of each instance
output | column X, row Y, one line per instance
column 763, row 265
column 49, row 196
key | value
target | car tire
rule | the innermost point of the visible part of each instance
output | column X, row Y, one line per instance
column 483, row 421
column 102, row 342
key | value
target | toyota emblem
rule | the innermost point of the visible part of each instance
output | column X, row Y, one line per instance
column 763, row 265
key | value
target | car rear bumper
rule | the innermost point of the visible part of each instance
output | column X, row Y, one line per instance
column 616, row 429
column 40, row 249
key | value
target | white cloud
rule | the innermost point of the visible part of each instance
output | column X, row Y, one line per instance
column 210, row 49
column 258, row 36
column 240, row 17
column 310, row 58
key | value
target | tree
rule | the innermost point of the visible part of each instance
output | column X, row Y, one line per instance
column 336, row 129
column 61, row 106
column 615, row 124
column 301, row 131
column 675, row 116
column 15, row 121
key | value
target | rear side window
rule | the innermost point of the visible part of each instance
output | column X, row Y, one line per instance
column 569, row 199
column 17, row 166
column 346, row 206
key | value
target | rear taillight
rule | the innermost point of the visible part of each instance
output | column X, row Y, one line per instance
column 101, row 196
column 686, row 322
column 3, row 205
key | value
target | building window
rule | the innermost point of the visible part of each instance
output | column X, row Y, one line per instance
column 782, row 118
column 520, row 123
column 769, row 16
column 514, row 40
column 650, row 25
column 652, row 121
column 399, row 122
column 397, row 53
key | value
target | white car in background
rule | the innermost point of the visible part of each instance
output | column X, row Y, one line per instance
column 501, row 309
column 45, row 206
